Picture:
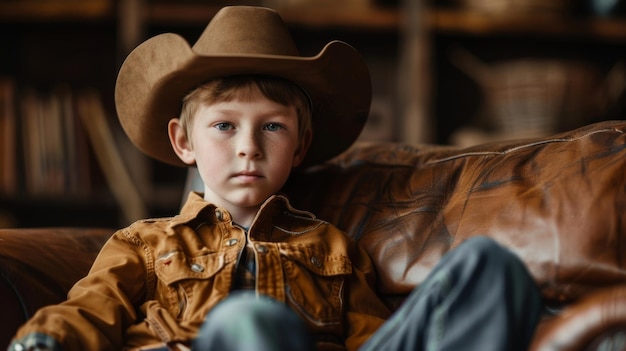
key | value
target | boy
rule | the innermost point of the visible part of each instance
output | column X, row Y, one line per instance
column 239, row 268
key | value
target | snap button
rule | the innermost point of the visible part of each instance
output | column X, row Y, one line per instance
column 261, row 248
column 219, row 214
column 232, row 242
column 316, row 262
column 197, row 268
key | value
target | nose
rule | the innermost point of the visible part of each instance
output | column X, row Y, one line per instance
column 249, row 146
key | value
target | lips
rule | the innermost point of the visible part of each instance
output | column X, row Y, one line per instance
column 248, row 176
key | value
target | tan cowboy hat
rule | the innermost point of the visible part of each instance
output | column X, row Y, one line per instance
column 241, row 40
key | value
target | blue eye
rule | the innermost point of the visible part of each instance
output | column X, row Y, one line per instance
column 223, row 126
column 273, row 127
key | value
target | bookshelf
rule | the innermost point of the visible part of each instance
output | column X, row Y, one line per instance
column 65, row 160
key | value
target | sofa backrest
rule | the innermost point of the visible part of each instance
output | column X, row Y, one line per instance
column 559, row 202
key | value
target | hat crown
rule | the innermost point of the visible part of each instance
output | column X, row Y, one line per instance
column 246, row 30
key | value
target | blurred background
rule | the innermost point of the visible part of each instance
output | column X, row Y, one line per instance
column 457, row 72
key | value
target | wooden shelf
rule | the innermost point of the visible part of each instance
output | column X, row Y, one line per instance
column 483, row 24
column 371, row 18
column 56, row 10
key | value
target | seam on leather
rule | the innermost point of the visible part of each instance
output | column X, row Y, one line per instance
column 519, row 147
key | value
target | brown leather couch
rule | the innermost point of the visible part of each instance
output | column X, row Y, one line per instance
column 558, row 202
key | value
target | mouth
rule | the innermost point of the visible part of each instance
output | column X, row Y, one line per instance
column 248, row 176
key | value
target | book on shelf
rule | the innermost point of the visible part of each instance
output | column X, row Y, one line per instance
column 78, row 155
column 67, row 148
column 8, row 178
column 55, row 149
column 30, row 107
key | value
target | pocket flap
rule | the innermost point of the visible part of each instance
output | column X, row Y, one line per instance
column 174, row 266
column 318, row 262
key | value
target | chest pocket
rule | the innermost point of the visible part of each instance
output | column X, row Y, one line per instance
column 315, row 285
column 174, row 266
column 185, row 286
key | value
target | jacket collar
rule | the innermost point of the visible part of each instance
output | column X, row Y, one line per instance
column 195, row 207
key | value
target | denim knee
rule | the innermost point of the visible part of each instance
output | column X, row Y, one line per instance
column 245, row 320
column 492, row 261
column 247, row 307
column 486, row 250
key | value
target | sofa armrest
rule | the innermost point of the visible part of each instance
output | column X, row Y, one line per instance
column 39, row 266
column 590, row 322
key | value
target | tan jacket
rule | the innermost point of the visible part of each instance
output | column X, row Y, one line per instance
column 155, row 280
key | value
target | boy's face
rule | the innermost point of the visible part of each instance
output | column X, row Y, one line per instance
column 244, row 150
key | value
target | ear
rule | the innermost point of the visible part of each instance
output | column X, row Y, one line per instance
column 180, row 141
column 305, row 142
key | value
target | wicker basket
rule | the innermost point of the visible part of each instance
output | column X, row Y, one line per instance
column 533, row 96
column 525, row 97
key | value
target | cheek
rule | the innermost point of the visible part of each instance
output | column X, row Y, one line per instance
column 212, row 167
column 287, row 147
column 209, row 153
column 207, row 143
column 211, row 157
column 284, row 158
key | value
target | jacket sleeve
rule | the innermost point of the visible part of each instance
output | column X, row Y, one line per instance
column 100, row 306
column 365, row 311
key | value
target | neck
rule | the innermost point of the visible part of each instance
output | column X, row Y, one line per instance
column 243, row 216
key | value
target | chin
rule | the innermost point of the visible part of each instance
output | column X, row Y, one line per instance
column 251, row 202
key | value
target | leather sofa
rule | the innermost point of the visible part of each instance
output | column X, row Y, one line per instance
column 559, row 202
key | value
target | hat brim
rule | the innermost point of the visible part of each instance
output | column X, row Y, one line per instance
column 153, row 80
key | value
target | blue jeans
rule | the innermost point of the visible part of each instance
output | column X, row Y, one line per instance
column 479, row 297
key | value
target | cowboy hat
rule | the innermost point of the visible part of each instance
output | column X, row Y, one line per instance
column 241, row 40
